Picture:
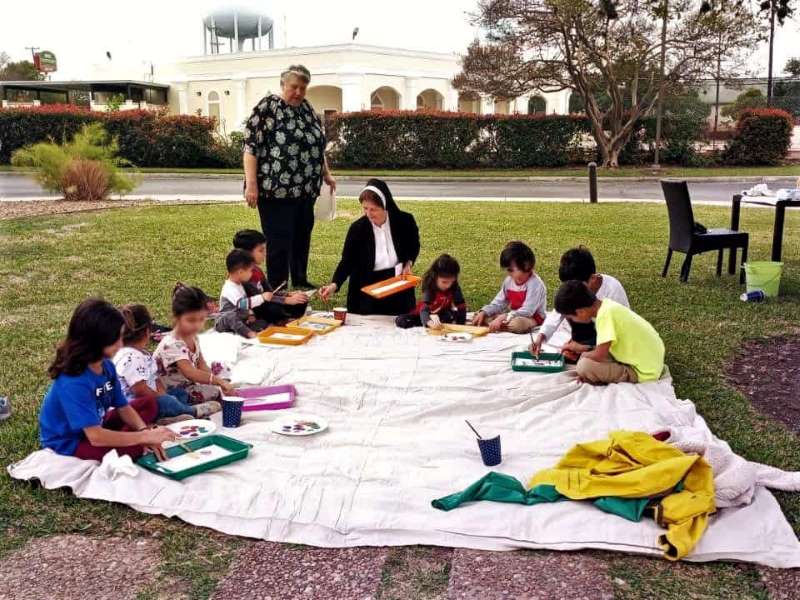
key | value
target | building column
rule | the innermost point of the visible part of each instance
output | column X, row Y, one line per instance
column 409, row 100
column 352, row 93
column 451, row 99
column 520, row 105
column 183, row 98
column 240, row 92
column 486, row 105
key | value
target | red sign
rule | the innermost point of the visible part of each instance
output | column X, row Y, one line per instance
column 45, row 61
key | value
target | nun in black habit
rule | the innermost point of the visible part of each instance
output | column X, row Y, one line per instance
column 381, row 244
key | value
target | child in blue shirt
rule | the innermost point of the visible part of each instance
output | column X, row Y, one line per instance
column 85, row 414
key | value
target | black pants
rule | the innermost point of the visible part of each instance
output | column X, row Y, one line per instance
column 360, row 303
column 287, row 225
column 278, row 313
column 415, row 320
column 584, row 333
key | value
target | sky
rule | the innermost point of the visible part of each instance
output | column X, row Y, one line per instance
column 81, row 32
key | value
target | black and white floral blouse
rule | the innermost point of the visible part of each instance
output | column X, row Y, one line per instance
column 289, row 143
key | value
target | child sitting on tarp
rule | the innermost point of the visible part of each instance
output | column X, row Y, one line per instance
column 521, row 303
column 138, row 372
column 280, row 308
column 442, row 300
column 84, row 413
column 628, row 347
column 235, row 306
column 578, row 264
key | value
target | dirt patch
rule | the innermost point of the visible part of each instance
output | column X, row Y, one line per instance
column 768, row 373
column 15, row 210
column 75, row 566
column 272, row 571
column 418, row 572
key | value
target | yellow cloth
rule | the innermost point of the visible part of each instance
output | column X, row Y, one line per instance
column 633, row 464
column 633, row 340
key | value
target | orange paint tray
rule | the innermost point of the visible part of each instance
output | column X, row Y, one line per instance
column 473, row 330
column 393, row 285
column 316, row 325
column 285, row 336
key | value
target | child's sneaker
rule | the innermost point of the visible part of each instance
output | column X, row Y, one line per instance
column 175, row 419
column 5, row 408
column 206, row 409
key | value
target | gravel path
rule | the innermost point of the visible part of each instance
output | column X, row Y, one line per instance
column 74, row 567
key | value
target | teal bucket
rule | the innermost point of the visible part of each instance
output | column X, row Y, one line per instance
column 765, row 276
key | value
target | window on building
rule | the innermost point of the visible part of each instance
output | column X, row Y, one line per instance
column 376, row 102
column 537, row 105
column 215, row 107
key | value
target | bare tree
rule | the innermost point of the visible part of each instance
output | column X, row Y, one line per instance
column 598, row 49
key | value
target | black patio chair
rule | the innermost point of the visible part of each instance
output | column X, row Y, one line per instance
column 692, row 238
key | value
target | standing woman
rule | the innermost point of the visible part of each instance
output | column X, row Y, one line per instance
column 284, row 167
column 381, row 244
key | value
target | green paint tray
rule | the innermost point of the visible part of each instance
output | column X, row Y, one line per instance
column 207, row 453
column 548, row 362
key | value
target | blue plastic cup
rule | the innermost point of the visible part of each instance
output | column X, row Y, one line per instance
column 232, row 411
column 490, row 451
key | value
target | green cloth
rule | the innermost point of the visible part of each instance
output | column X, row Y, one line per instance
column 634, row 341
column 498, row 487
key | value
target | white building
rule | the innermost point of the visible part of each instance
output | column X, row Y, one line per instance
column 344, row 78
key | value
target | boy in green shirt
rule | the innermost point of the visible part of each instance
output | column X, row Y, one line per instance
column 628, row 347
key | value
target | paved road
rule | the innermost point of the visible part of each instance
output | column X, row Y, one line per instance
column 17, row 186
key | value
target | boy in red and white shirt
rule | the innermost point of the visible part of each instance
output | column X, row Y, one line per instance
column 521, row 303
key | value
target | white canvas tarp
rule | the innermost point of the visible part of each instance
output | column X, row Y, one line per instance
column 396, row 402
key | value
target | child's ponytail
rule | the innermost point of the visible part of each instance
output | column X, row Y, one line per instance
column 186, row 299
column 137, row 322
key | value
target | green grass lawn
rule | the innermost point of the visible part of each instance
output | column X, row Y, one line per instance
column 49, row 264
column 571, row 171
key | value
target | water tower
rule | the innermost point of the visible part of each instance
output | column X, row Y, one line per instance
column 236, row 25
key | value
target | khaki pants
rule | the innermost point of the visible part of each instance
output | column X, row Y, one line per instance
column 520, row 325
column 610, row 371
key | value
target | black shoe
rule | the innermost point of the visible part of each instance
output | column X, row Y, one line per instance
column 304, row 285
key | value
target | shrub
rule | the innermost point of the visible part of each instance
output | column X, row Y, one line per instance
column 763, row 137
column 407, row 139
column 433, row 139
column 85, row 168
column 145, row 138
column 85, row 180
column 749, row 99
column 538, row 140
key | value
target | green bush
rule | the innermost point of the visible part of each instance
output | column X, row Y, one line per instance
column 145, row 138
column 538, row 140
column 752, row 98
column 408, row 139
column 683, row 124
column 430, row 139
column 763, row 137
column 86, row 168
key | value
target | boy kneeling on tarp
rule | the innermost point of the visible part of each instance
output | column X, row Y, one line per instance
column 628, row 347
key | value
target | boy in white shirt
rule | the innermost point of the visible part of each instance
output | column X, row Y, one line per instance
column 235, row 306
column 578, row 264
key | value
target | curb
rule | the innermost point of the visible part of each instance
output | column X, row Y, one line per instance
column 233, row 199
column 475, row 179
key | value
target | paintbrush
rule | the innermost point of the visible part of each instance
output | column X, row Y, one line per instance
column 280, row 287
column 533, row 343
column 473, row 429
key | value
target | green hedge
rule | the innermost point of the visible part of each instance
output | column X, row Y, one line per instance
column 428, row 139
column 763, row 137
column 145, row 138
